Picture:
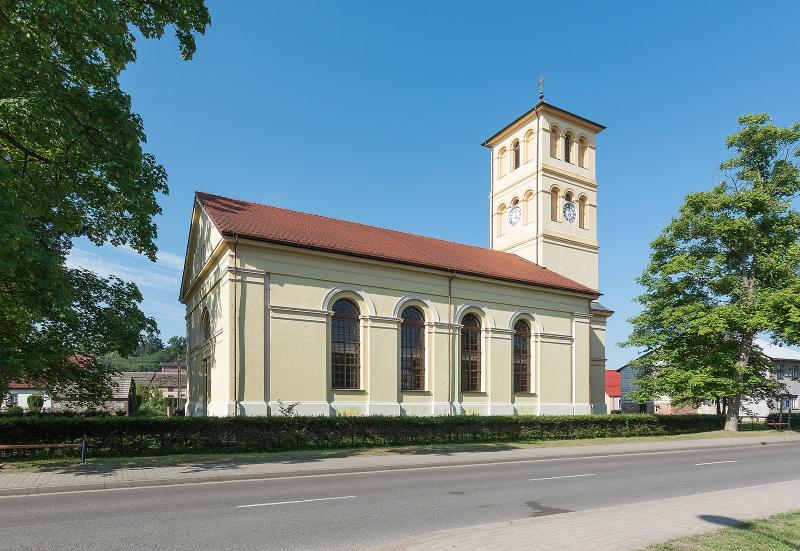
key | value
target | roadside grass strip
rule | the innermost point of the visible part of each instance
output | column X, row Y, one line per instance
column 776, row 533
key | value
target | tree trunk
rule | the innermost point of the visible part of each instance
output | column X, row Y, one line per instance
column 732, row 416
column 734, row 402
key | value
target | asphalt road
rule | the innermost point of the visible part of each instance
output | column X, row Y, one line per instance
column 361, row 511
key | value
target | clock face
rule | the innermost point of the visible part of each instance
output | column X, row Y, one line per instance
column 570, row 212
column 515, row 215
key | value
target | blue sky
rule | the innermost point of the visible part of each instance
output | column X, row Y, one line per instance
column 375, row 112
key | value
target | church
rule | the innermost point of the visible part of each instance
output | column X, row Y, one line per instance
column 290, row 311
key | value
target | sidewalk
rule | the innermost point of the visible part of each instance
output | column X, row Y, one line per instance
column 623, row 527
column 98, row 477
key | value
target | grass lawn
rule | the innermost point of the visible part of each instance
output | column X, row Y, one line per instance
column 9, row 465
column 778, row 533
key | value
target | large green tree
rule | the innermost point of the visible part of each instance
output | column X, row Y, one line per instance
column 726, row 269
column 72, row 166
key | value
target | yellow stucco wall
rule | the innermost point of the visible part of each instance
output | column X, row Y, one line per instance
column 279, row 348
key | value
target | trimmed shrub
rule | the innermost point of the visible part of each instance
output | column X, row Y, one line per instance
column 140, row 436
column 35, row 402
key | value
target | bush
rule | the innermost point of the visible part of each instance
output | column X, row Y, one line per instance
column 142, row 436
column 14, row 411
column 35, row 402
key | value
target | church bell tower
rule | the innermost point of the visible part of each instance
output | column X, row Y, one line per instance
column 543, row 199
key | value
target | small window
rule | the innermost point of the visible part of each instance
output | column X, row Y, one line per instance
column 345, row 345
column 582, row 212
column 515, row 155
column 206, row 325
column 471, row 354
column 529, row 145
column 568, row 148
column 583, row 153
column 522, row 356
column 501, row 163
column 554, row 214
column 554, row 137
column 412, row 349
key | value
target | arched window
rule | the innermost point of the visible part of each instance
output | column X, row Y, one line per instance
column 522, row 356
column 515, row 155
column 345, row 345
column 205, row 324
column 501, row 163
column 412, row 349
column 583, row 150
column 582, row 222
column 471, row 354
column 501, row 210
column 529, row 145
column 568, row 147
column 526, row 207
column 554, row 137
column 554, row 213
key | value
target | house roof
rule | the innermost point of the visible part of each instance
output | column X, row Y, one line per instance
column 17, row 385
column 775, row 352
column 613, row 383
column 310, row 231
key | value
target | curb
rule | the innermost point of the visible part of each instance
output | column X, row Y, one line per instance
column 37, row 490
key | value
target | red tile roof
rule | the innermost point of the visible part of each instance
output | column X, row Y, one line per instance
column 613, row 384
column 18, row 385
column 288, row 227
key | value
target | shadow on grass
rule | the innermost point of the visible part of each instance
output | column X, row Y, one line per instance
column 185, row 464
column 758, row 528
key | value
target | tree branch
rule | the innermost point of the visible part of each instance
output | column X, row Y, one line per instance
column 29, row 152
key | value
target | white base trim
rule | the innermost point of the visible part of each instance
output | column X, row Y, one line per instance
column 361, row 408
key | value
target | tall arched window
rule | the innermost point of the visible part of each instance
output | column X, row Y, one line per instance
column 528, row 145
column 515, row 155
column 345, row 345
column 501, row 163
column 522, row 356
column 583, row 151
column 554, row 193
column 471, row 354
column 205, row 325
column 526, row 207
column 554, row 137
column 582, row 222
column 501, row 210
column 412, row 349
column 568, row 147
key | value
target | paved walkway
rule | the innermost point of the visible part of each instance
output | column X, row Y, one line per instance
column 624, row 527
column 93, row 477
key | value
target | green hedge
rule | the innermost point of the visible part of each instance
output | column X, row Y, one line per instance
column 141, row 436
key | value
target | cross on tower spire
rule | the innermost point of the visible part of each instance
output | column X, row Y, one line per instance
column 541, row 86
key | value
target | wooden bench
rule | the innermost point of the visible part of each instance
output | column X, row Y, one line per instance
column 81, row 445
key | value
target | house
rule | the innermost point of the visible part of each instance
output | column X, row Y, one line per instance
column 346, row 318
column 18, row 393
column 785, row 368
column 613, row 390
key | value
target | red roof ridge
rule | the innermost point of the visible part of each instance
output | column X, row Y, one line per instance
column 232, row 224
column 362, row 224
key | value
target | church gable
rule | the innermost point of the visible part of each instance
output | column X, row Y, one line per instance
column 204, row 239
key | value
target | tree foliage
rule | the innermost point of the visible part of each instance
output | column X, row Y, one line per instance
column 72, row 166
column 149, row 355
column 726, row 269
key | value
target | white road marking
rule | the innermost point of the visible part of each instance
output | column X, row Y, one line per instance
column 555, row 477
column 714, row 463
column 295, row 501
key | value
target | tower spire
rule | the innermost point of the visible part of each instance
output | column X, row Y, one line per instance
column 541, row 86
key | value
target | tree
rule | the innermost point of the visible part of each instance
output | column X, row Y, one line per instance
column 176, row 349
column 726, row 269
column 72, row 166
